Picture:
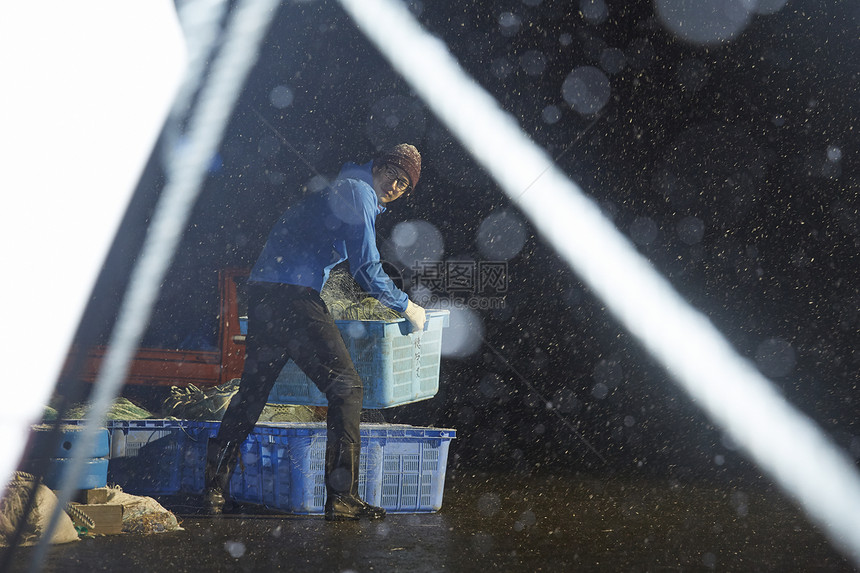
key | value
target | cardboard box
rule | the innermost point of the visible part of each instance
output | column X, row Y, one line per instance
column 95, row 496
column 97, row 518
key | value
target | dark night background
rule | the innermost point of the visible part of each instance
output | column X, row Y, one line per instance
column 732, row 166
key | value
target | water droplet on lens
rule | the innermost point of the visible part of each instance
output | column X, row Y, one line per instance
column 236, row 549
column 775, row 357
column 551, row 114
column 281, row 97
column 834, row 154
column 704, row 21
column 600, row 391
column 417, row 241
column 594, row 11
column 489, row 504
column 608, row 373
column 501, row 236
column 533, row 62
column 416, row 7
column 566, row 402
column 317, row 183
column 464, row 334
column 509, row 23
column 692, row 74
column 586, row 89
column 643, row 230
column 613, row 60
column 501, row 68
column 395, row 119
column 404, row 235
column 768, row 6
column 269, row 146
column 691, row 230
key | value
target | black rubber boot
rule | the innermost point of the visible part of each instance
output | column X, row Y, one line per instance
column 220, row 461
column 341, row 479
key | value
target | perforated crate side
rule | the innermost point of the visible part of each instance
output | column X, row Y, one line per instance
column 429, row 362
column 395, row 366
column 147, row 455
column 413, row 473
column 308, row 475
column 259, row 476
column 194, row 455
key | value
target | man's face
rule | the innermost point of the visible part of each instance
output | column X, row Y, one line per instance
column 389, row 182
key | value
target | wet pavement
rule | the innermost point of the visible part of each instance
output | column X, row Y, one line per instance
column 492, row 522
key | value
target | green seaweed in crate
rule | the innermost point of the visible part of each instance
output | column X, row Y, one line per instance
column 347, row 301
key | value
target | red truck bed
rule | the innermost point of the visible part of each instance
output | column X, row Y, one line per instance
column 173, row 367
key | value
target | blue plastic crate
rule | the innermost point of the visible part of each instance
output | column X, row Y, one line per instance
column 396, row 366
column 147, row 455
column 46, row 443
column 282, row 466
column 192, row 478
column 93, row 475
column 414, row 461
column 55, row 451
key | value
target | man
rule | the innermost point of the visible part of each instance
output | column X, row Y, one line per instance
column 287, row 319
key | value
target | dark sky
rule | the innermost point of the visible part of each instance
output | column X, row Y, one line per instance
column 732, row 165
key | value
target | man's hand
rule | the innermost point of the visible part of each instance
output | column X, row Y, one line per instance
column 416, row 315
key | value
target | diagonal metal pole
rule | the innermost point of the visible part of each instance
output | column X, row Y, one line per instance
column 781, row 440
column 186, row 173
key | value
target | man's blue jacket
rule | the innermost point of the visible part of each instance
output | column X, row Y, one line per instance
column 325, row 229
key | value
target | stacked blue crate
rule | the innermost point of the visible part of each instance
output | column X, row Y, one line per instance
column 54, row 447
column 147, row 456
column 282, row 466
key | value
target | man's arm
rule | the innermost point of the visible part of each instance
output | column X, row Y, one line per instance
column 360, row 237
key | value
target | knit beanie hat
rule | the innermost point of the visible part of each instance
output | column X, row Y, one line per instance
column 407, row 158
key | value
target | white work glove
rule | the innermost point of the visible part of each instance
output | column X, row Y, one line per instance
column 416, row 315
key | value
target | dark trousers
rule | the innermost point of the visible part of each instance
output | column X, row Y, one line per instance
column 292, row 322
